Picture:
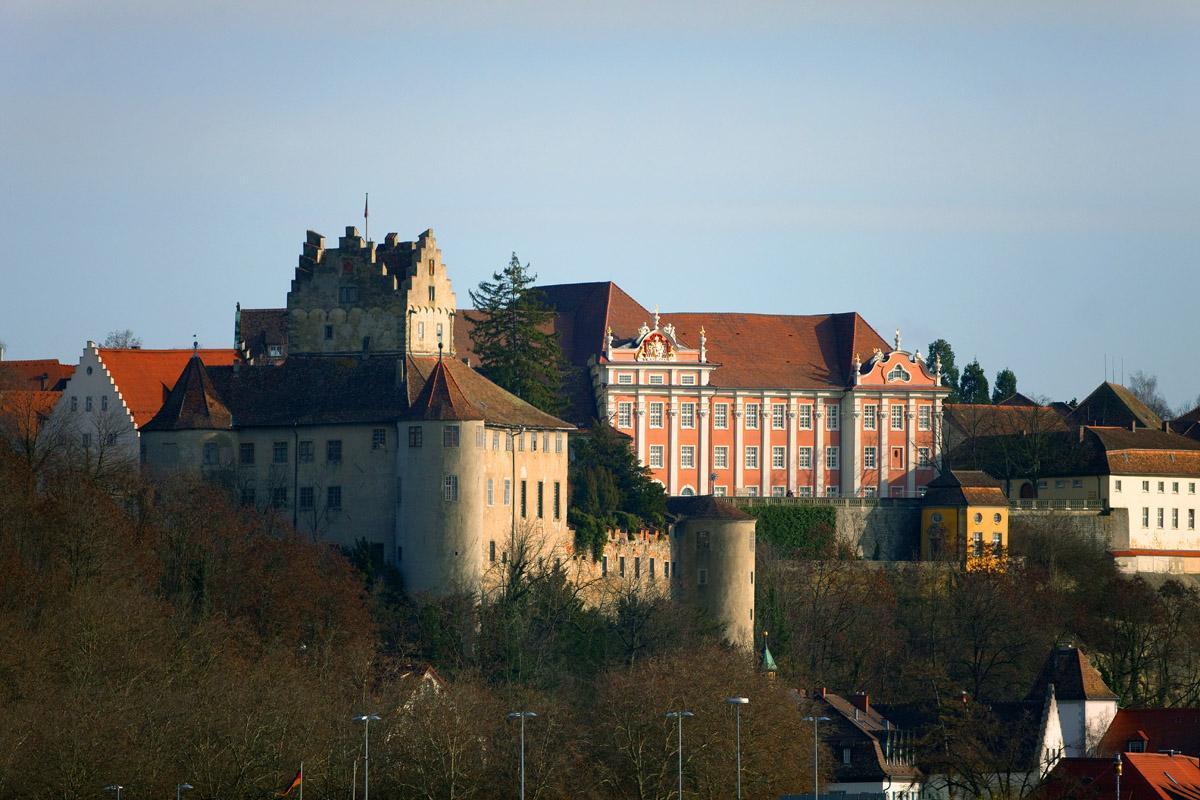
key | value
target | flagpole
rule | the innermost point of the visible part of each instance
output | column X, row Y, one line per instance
column 367, row 217
column 301, row 780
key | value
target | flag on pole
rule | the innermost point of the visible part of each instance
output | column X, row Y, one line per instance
column 366, row 215
column 297, row 782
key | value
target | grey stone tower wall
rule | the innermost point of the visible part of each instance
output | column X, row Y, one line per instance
column 715, row 572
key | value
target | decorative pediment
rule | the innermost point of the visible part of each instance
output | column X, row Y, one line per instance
column 656, row 346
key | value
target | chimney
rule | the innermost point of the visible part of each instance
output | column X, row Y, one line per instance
column 861, row 701
column 819, row 694
column 1, row 351
column 1166, row 426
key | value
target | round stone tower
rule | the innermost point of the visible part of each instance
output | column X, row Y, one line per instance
column 712, row 548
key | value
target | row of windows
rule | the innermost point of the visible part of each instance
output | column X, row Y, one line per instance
column 687, row 457
column 687, row 416
column 655, row 378
column 1162, row 487
column 306, row 497
column 450, row 494
column 637, row 567
column 1160, row 518
column 803, row 491
column 305, row 450
column 451, row 437
column 88, row 404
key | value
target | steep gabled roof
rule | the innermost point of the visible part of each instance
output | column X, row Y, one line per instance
column 193, row 403
column 1113, row 404
column 145, row 377
column 35, row 375
column 260, row 328
column 1073, row 676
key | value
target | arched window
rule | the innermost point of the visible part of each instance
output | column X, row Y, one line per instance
column 687, row 491
column 898, row 373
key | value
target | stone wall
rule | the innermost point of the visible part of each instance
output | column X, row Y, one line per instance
column 1109, row 529
column 880, row 532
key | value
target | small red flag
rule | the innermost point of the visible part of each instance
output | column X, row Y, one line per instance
column 296, row 781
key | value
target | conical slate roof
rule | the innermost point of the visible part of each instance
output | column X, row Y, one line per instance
column 442, row 399
column 193, row 403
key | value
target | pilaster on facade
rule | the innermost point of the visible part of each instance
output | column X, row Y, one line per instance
column 702, row 484
column 793, row 452
column 910, row 488
column 764, row 450
column 641, row 431
column 818, row 447
column 937, row 432
column 673, row 447
column 884, row 458
column 852, row 458
column 739, row 451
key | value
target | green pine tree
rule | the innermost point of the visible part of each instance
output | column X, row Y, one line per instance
column 1006, row 385
column 513, row 337
column 973, row 387
column 949, row 370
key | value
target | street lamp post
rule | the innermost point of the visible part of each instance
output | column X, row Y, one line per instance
column 737, row 703
column 1118, row 769
column 522, row 715
column 180, row 788
column 678, row 717
column 115, row 787
column 366, row 720
column 814, row 720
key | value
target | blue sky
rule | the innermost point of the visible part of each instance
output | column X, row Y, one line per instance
column 1020, row 178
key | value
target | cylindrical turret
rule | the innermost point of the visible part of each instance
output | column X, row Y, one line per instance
column 713, row 551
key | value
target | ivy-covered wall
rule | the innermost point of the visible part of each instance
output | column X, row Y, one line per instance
column 802, row 531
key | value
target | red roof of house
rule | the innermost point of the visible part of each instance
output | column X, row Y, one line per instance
column 1157, row 728
column 22, row 413
column 1144, row 776
column 35, row 375
column 145, row 377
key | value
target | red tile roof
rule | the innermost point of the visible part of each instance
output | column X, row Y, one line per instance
column 1144, row 776
column 1073, row 676
column 1158, row 728
column 35, row 375
column 145, row 377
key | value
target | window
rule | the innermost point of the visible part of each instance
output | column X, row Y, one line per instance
column 845, row 755
column 923, row 418
column 804, row 414
column 702, row 577
column 804, row 491
column 637, row 567
column 997, row 542
column 687, row 415
column 832, row 491
column 832, row 420
column 104, row 403
column 432, row 294
column 978, row 517
column 721, row 457
column 431, row 267
column 491, row 492
column 687, row 457
column 1118, row 486
column 279, row 453
column 778, row 457
column 625, row 415
column 450, row 435
column 897, row 412
column 656, row 456
column 450, row 488
column 279, row 497
column 778, row 415
column 720, row 491
column 1145, row 517
column 1145, row 486
column 1059, row 484
column 507, row 491
column 74, row 403
column 1077, row 483
column 492, row 551
column 869, row 414
column 1174, row 487
column 557, row 500
column 870, row 458
column 211, row 453
column 721, row 416
column 333, row 451
column 304, row 451
column 495, row 440
column 1191, row 519
column 333, row 498
column 604, row 566
column 541, row 508
column 1175, row 518
column 621, row 566
column 1192, row 487
column 524, row 499
column 246, row 453
column 416, row 435
column 545, row 441
column 977, row 543
column 274, row 350
column 656, row 380
column 558, row 441
column 656, row 415
column 996, row 518
column 347, row 294
column 898, row 373
column 778, row 491
column 480, row 438
column 666, row 569
column 624, row 378
column 870, row 491
column 751, row 457
column 832, row 457
column 248, row 494
column 328, row 333
column 805, row 456
column 687, row 380
column 1162, row 486
column 752, row 416
column 1135, row 746
column 88, row 403
column 923, row 457
column 1161, row 516
column 420, row 330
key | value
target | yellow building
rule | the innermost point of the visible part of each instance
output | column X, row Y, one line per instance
column 964, row 518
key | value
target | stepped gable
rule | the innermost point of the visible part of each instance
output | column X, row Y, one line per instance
column 704, row 507
column 1073, row 676
column 1113, row 404
column 316, row 390
column 490, row 402
column 441, row 399
column 144, row 378
column 193, row 403
column 965, row 487
column 35, row 375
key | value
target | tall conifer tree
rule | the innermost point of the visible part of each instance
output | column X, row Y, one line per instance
column 511, row 340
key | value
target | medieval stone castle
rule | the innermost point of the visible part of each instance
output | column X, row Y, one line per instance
column 352, row 413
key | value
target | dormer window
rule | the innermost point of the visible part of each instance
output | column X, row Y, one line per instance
column 1135, row 746
column 898, row 373
column 274, row 350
